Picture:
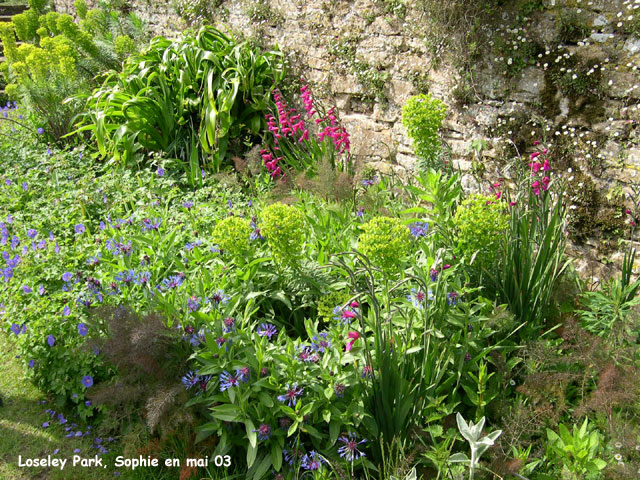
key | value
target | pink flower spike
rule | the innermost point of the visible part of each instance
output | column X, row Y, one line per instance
column 535, row 166
column 446, row 266
column 534, row 155
column 536, row 142
column 498, row 195
column 348, row 314
column 354, row 304
column 353, row 336
column 511, row 204
column 546, row 165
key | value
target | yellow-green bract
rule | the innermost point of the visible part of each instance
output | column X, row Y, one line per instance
column 385, row 241
column 284, row 228
column 480, row 221
column 232, row 236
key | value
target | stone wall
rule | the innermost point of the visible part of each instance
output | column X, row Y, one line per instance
column 561, row 71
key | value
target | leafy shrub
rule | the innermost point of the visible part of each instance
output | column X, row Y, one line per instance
column 385, row 241
column 188, row 98
column 284, row 228
column 610, row 312
column 422, row 116
column 232, row 236
column 481, row 222
column 576, row 453
column 58, row 58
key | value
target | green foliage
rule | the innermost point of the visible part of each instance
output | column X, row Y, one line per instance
column 284, row 228
column 533, row 257
column 38, row 6
column 610, row 312
column 232, row 236
column 571, row 26
column 576, row 453
column 386, row 241
column 422, row 116
column 189, row 98
column 480, row 222
column 58, row 58
column 81, row 8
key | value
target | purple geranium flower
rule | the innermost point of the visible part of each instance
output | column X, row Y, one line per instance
column 51, row 340
column 79, row 228
column 87, row 381
column 82, row 329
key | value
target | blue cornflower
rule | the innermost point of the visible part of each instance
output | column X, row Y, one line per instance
column 94, row 260
column 312, row 461
column 291, row 395
column 419, row 229
column 51, row 340
column 190, row 380
column 349, row 449
column 263, row 431
column 229, row 325
column 433, row 274
column 291, row 456
column 82, row 329
column 142, row 278
column 80, row 228
column 367, row 182
column 188, row 205
column 151, row 224
column 126, row 276
column 320, row 342
column 339, row 388
column 87, row 381
column 417, row 297
column 243, row 374
column 307, row 354
column 193, row 304
column 453, row 298
column 267, row 330
column 172, row 282
column 191, row 245
column 360, row 212
column 198, row 338
column 219, row 298
column 228, row 380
